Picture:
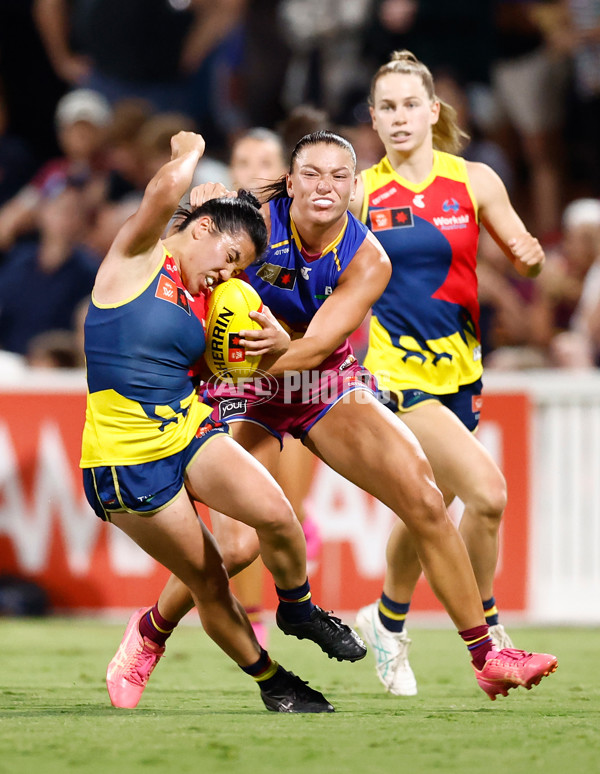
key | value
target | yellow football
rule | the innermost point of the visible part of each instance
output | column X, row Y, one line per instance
column 227, row 315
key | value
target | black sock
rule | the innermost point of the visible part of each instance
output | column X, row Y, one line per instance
column 295, row 605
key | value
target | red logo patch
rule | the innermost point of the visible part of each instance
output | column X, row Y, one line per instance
column 381, row 219
column 394, row 217
column 166, row 289
column 235, row 352
column 476, row 403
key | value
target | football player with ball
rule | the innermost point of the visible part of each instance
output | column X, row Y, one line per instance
column 150, row 446
column 320, row 275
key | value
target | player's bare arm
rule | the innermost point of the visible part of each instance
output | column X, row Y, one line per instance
column 137, row 249
column 501, row 220
column 361, row 284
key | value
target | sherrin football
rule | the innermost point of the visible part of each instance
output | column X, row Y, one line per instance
column 228, row 310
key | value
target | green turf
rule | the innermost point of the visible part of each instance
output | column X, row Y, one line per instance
column 201, row 714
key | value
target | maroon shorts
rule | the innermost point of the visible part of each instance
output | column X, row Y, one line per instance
column 292, row 404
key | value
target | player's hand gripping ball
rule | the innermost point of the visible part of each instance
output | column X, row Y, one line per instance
column 228, row 314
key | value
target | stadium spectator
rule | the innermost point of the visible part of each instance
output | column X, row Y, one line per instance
column 43, row 278
column 515, row 321
column 17, row 163
column 578, row 344
column 578, row 36
column 52, row 349
column 82, row 118
column 154, row 49
column 526, row 116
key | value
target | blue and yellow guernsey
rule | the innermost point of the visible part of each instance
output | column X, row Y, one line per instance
column 424, row 332
column 293, row 284
column 141, row 403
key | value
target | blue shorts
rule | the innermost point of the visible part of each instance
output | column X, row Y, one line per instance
column 146, row 488
column 466, row 403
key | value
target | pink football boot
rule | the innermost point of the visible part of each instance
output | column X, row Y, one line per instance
column 132, row 665
column 509, row 668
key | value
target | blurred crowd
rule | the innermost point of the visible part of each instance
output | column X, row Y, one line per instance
column 91, row 92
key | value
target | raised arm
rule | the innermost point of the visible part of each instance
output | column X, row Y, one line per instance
column 501, row 220
column 162, row 196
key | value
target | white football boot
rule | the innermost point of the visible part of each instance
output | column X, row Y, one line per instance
column 390, row 650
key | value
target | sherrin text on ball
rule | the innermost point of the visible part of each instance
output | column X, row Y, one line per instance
column 228, row 311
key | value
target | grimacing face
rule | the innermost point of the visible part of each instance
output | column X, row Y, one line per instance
column 214, row 256
column 322, row 182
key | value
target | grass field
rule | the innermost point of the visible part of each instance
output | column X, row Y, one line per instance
column 201, row 714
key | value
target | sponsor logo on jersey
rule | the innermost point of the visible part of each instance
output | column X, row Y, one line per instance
column 323, row 296
column 447, row 223
column 451, row 205
column 418, row 201
column 376, row 200
column 278, row 276
column 235, row 352
column 305, row 271
column 395, row 217
column 347, row 363
column 167, row 290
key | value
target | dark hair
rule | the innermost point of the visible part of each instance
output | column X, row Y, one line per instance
column 447, row 134
column 229, row 215
column 278, row 189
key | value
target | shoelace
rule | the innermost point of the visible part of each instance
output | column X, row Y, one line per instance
column 297, row 679
column 333, row 622
column 139, row 671
column 328, row 617
column 514, row 654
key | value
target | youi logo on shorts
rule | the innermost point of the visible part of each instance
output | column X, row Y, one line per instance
column 229, row 408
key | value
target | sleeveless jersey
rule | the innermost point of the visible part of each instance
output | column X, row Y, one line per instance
column 141, row 403
column 424, row 332
column 293, row 286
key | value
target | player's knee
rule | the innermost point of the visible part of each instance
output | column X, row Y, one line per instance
column 489, row 497
column 239, row 551
column 277, row 516
column 425, row 510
